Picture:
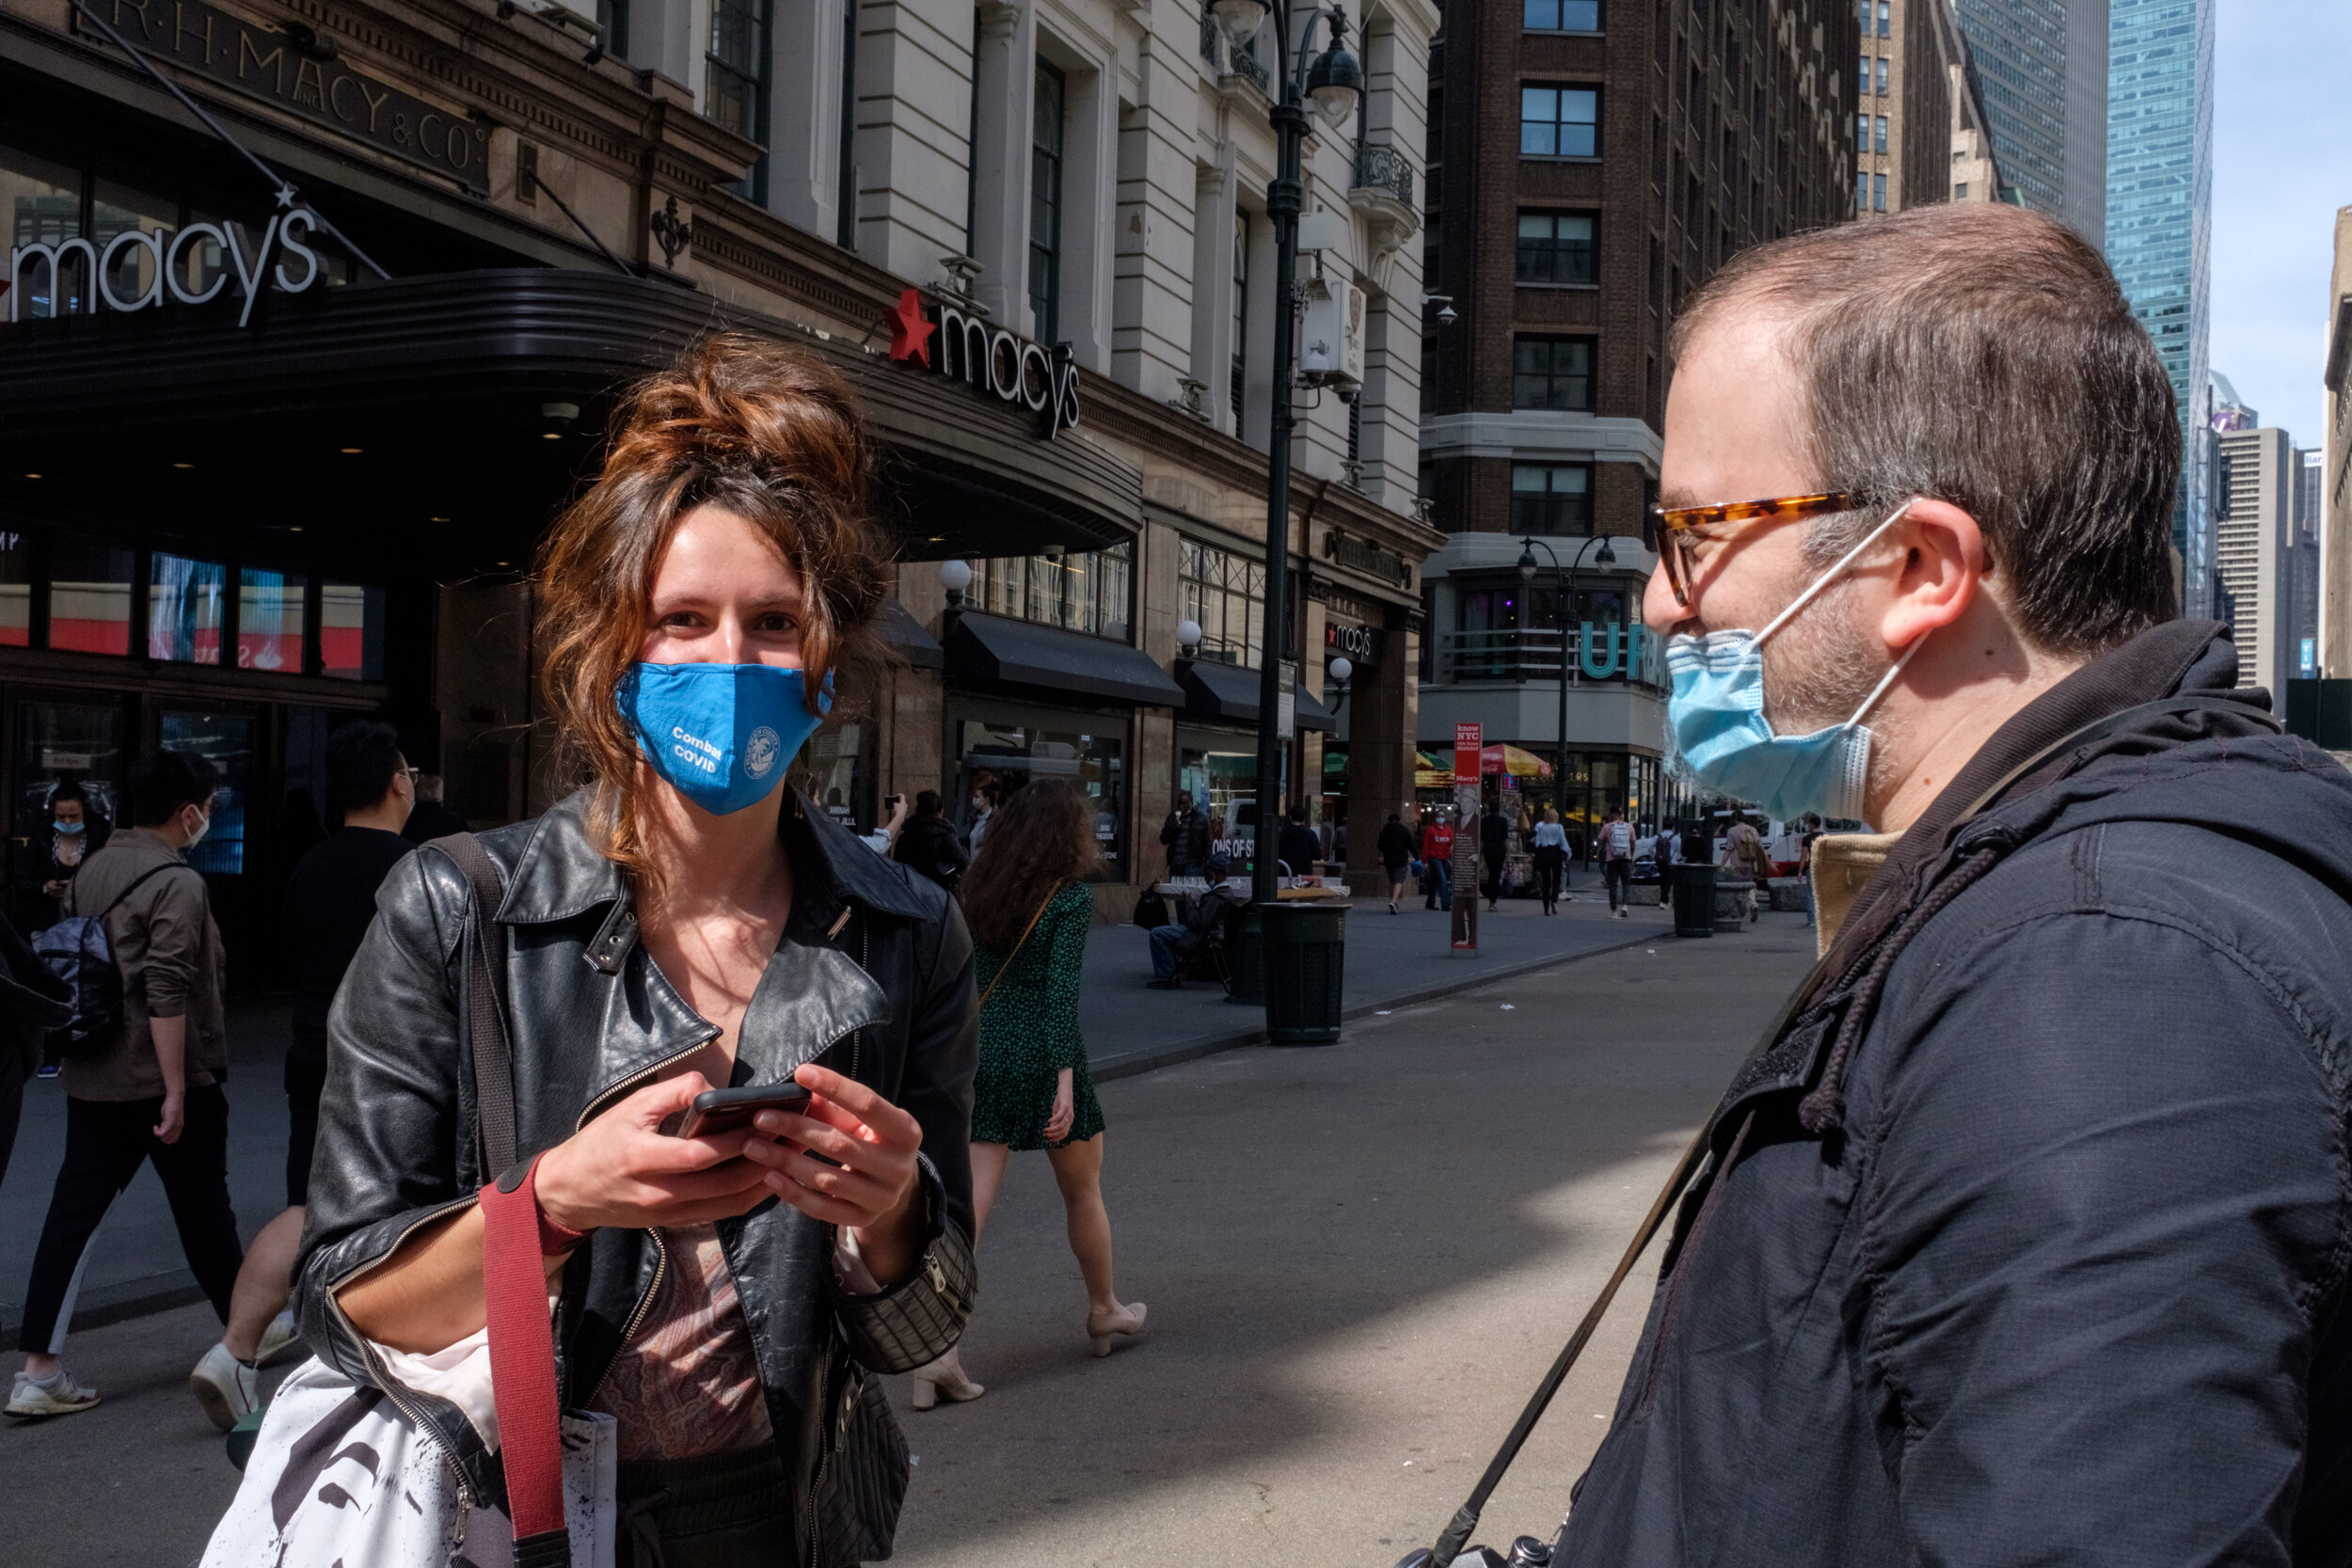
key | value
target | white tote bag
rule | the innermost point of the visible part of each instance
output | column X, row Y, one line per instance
column 339, row 1474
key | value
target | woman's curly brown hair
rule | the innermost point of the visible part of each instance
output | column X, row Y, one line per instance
column 1040, row 838
column 761, row 429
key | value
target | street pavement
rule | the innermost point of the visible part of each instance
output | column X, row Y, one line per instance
column 1359, row 1259
column 137, row 1266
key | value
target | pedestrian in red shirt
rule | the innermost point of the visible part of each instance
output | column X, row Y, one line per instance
column 1437, row 857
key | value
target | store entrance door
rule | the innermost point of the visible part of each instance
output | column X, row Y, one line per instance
column 60, row 739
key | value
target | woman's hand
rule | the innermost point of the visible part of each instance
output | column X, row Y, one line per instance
column 849, row 1161
column 623, row 1170
column 1065, row 1107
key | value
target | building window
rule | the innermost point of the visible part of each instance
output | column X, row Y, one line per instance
column 1559, row 123
column 89, row 597
column 1864, row 74
column 1552, row 497
column 1885, row 30
column 736, row 71
column 1432, row 249
column 1225, row 594
column 1878, row 134
column 1563, row 16
column 1086, row 593
column 1046, row 148
column 1862, row 190
column 1551, row 373
column 1555, row 248
column 1862, row 132
column 1877, row 193
column 1960, row 192
column 1241, row 314
column 1883, row 71
column 184, row 609
column 351, row 631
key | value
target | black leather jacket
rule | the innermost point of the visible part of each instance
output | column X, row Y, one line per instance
column 873, row 977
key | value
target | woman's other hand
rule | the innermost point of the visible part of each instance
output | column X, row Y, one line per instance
column 1065, row 1107
column 849, row 1161
column 621, row 1170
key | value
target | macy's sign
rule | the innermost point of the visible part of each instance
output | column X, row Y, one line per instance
column 158, row 265
column 989, row 359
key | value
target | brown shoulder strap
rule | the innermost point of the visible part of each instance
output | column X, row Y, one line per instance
column 1050, row 895
column 483, row 1003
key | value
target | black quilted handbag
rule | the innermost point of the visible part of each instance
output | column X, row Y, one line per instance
column 862, row 1478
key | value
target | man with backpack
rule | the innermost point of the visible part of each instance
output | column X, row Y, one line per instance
column 143, row 1082
column 1615, row 842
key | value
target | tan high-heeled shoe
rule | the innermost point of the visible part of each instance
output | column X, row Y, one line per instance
column 943, row 1376
column 1127, row 1322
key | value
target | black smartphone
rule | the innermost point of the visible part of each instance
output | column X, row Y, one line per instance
column 716, row 1111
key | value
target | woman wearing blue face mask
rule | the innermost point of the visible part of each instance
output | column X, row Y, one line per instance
column 685, row 920
column 74, row 831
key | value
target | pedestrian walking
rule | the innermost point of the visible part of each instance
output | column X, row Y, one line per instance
column 1494, row 843
column 147, row 1088
column 1395, row 844
column 685, row 920
column 1615, row 842
column 1810, row 831
column 1030, row 913
column 1202, row 921
column 1298, row 848
column 2022, row 1237
column 1551, row 858
column 1185, row 833
column 430, row 818
column 928, row 845
column 1668, row 850
column 1743, row 865
column 329, row 904
column 1436, row 858
column 72, row 830
column 984, row 802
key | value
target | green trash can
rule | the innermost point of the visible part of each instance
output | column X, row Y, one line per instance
column 1693, row 889
column 1305, row 943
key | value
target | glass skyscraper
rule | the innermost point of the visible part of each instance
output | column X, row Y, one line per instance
column 2042, row 65
column 2159, row 224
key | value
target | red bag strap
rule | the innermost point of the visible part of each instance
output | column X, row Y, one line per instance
column 522, row 1368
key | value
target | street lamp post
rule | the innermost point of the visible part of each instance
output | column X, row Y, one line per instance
column 1565, row 587
column 1334, row 81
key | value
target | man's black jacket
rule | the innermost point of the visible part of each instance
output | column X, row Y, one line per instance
column 2047, row 1263
column 1187, row 835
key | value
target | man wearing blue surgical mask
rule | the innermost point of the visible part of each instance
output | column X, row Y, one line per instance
column 2023, row 1237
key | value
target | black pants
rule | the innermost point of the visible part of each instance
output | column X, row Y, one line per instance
column 105, row 1143
column 1550, row 862
column 1620, row 875
column 725, row 1510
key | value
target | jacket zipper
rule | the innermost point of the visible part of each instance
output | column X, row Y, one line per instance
column 392, row 1385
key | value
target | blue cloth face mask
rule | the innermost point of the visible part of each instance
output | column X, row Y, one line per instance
column 723, row 733
column 70, row 827
column 1718, row 738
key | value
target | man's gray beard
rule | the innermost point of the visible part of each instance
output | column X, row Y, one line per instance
column 1823, row 666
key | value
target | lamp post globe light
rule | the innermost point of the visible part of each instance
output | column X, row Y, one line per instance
column 1334, row 82
column 1565, row 606
column 955, row 576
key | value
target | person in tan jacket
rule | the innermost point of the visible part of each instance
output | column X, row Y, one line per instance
column 1745, row 864
column 146, row 1088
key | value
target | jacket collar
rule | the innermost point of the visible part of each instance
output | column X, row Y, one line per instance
column 559, row 875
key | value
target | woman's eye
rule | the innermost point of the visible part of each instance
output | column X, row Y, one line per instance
column 778, row 623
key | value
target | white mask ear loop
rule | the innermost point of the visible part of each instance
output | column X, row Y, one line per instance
column 1831, row 576
column 1884, row 681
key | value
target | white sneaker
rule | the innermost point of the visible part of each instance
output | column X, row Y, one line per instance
column 58, row 1394
column 225, row 1386
column 279, row 1341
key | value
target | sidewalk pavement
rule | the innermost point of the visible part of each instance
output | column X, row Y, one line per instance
column 135, row 1265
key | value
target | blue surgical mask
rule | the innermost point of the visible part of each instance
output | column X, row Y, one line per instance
column 723, row 733
column 70, row 827
column 1718, row 738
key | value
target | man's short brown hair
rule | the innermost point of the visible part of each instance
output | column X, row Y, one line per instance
column 1983, row 355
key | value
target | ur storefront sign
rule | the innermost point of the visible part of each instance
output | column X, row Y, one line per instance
column 989, row 359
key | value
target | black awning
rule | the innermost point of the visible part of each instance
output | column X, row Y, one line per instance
column 1228, row 691
column 904, row 635
column 991, row 650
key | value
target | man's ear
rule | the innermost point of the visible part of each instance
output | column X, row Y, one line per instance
column 1940, row 574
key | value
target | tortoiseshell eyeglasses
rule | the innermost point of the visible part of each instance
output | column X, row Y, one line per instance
column 1675, row 524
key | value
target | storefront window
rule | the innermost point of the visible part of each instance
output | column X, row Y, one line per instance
column 184, row 609
column 16, row 591
column 351, row 631
column 1220, row 772
column 227, row 739
column 1013, row 755
column 1086, row 592
column 44, row 205
column 89, row 597
column 1225, row 594
column 269, row 621
column 835, row 779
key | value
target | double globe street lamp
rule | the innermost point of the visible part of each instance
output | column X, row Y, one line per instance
column 1564, row 607
column 1333, row 81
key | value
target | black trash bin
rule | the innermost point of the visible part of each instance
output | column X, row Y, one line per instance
column 1306, row 943
column 1693, row 891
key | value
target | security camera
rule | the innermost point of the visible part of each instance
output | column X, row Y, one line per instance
column 1446, row 315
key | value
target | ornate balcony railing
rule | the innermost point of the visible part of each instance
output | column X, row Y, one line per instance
column 1386, row 170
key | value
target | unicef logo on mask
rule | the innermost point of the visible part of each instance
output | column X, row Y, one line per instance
column 760, row 751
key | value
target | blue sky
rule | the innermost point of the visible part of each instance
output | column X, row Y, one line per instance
column 2282, row 164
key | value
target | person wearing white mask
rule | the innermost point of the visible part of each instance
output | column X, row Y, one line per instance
column 145, row 1087
column 2022, row 1237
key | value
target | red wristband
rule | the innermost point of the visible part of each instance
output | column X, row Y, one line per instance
column 554, row 1240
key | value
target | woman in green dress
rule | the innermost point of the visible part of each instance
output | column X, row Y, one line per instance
column 1030, row 913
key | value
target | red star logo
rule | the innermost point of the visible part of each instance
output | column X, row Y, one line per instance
column 909, row 334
